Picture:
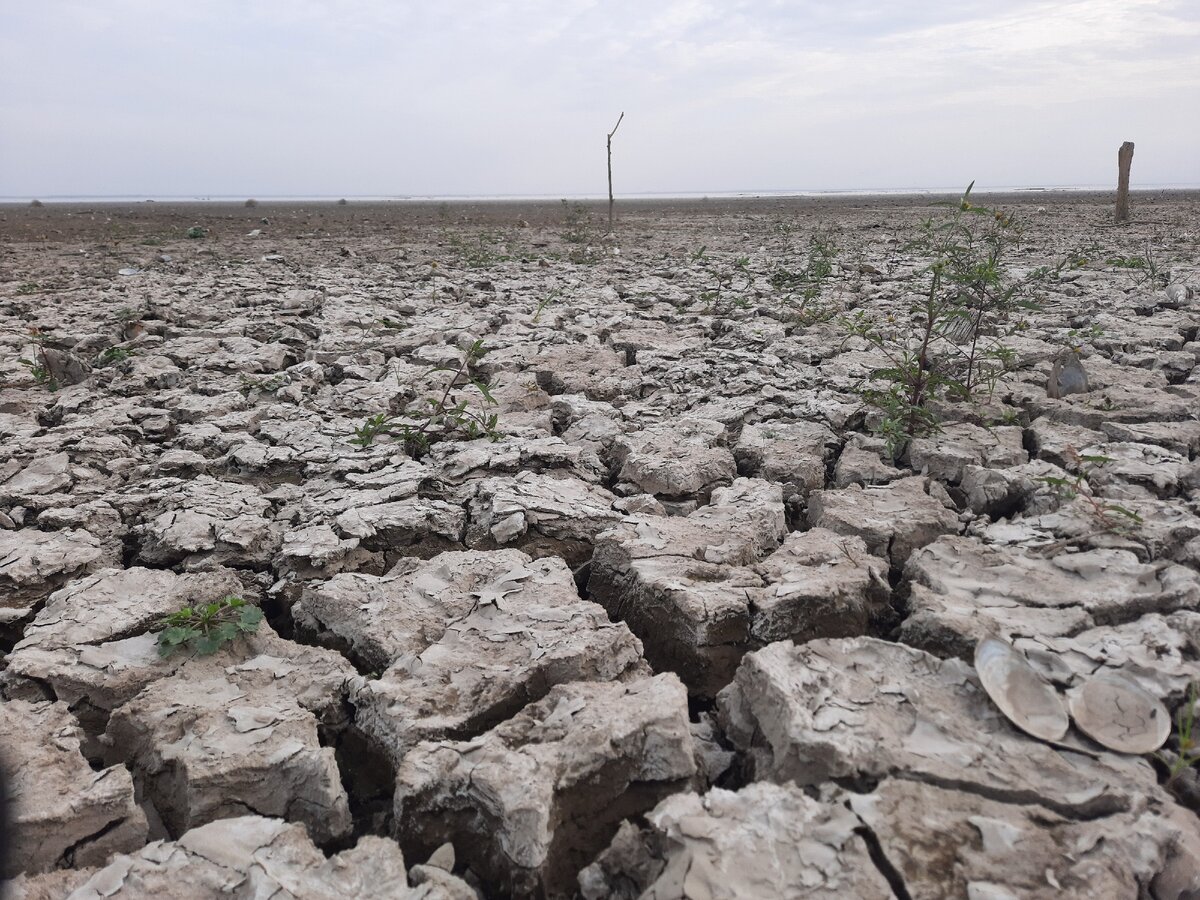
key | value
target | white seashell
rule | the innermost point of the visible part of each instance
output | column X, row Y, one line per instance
column 1120, row 714
column 1024, row 696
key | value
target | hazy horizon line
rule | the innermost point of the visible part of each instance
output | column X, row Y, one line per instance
column 577, row 197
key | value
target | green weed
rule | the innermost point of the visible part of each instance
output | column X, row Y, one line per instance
column 208, row 628
column 112, row 355
column 1112, row 516
column 40, row 372
column 1185, row 738
column 441, row 418
column 952, row 344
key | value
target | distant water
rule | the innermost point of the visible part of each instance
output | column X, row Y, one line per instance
column 527, row 198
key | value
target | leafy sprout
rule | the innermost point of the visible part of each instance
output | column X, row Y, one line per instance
column 1112, row 516
column 112, row 355
column 209, row 627
column 441, row 418
column 1187, row 741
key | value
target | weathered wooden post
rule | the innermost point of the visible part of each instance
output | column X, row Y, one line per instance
column 1124, row 160
column 610, row 193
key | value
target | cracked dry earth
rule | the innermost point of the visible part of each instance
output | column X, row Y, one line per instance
column 684, row 630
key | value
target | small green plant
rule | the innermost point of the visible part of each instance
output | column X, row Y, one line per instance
column 1145, row 266
column 28, row 287
column 544, row 302
column 952, row 342
column 268, row 384
column 112, row 355
column 1111, row 516
column 724, row 278
column 822, row 251
column 40, row 372
column 196, row 232
column 441, row 418
column 208, row 628
column 577, row 223
column 1077, row 337
column 481, row 250
column 1186, row 739
column 371, row 428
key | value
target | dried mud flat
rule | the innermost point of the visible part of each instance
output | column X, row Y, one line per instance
column 684, row 630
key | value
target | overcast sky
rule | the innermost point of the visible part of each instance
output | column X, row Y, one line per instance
column 383, row 97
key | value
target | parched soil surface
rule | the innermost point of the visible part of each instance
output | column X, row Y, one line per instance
column 584, row 568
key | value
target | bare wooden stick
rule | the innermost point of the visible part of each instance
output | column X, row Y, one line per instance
column 1124, row 160
column 610, row 193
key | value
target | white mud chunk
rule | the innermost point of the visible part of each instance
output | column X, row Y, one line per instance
column 768, row 841
column 683, row 583
column 893, row 519
column 945, row 455
column 212, row 748
column 250, row 856
column 1157, row 652
column 764, row 842
column 92, row 644
column 462, row 641
column 413, row 527
column 683, row 460
column 61, row 811
column 1165, row 530
column 543, row 515
column 34, row 563
column 203, row 522
column 532, row 801
column 962, row 588
column 863, row 708
column 793, row 454
column 959, row 843
column 820, row 584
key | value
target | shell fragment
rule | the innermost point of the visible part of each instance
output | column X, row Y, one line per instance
column 1119, row 714
column 1021, row 693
